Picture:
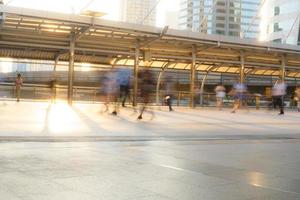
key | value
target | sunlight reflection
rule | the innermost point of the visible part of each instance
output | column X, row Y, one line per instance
column 60, row 118
column 256, row 179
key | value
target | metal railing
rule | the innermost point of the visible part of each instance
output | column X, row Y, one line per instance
column 95, row 94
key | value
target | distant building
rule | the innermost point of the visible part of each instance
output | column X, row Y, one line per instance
column 139, row 11
column 171, row 19
column 280, row 21
column 224, row 17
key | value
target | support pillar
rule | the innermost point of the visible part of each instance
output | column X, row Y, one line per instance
column 158, row 85
column 202, row 88
column 283, row 68
column 71, row 69
column 55, row 67
column 242, row 67
column 135, row 73
column 161, row 73
column 192, row 77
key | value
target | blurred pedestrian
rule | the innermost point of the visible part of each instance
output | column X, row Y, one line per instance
column 146, row 83
column 169, row 88
column 18, row 84
column 53, row 84
column 240, row 95
column 297, row 98
column 124, row 76
column 111, row 90
column 278, row 92
column 220, row 94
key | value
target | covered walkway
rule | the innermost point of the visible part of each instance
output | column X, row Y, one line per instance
column 40, row 35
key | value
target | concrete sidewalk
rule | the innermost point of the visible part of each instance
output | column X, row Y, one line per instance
column 42, row 119
column 199, row 154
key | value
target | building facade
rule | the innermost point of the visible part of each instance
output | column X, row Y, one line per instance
column 280, row 21
column 139, row 11
column 238, row 18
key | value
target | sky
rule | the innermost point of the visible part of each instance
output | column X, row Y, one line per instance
column 111, row 7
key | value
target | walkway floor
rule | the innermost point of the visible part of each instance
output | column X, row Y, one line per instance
column 196, row 154
column 58, row 120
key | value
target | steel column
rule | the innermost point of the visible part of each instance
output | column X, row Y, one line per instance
column 161, row 73
column 55, row 66
column 283, row 68
column 135, row 73
column 192, row 77
column 242, row 67
column 202, row 88
column 71, row 69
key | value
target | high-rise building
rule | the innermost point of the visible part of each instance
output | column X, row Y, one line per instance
column 139, row 11
column 280, row 21
column 225, row 17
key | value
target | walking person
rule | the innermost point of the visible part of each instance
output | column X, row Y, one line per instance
column 18, row 84
column 169, row 87
column 240, row 94
column 278, row 92
column 297, row 98
column 53, row 85
column 110, row 89
column 220, row 94
column 124, row 76
column 146, row 87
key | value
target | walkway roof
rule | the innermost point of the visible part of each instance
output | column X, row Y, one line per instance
column 43, row 35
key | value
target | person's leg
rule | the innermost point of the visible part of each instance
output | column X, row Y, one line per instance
column 18, row 93
column 142, row 111
column 169, row 104
column 115, row 103
column 106, row 103
column 236, row 105
column 298, row 105
column 125, row 95
column 281, row 105
column 219, row 103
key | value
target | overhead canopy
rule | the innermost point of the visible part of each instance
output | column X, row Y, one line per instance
column 34, row 34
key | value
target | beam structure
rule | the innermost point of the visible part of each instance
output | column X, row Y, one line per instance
column 282, row 73
column 202, row 88
column 242, row 67
column 160, row 75
column 71, row 69
column 136, row 72
column 193, row 76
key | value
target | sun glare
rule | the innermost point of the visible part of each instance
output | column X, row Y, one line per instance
column 6, row 65
column 85, row 67
column 60, row 118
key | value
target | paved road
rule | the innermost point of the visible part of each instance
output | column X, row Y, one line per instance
column 151, row 170
column 54, row 152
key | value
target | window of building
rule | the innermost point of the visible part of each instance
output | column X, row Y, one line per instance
column 220, row 18
column 276, row 27
column 276, row 10
column 221, row 10
column 278, row 41
column 220, row 3
column 220, row 25
column 220, row 32
column 234, row 26
column 233, row 33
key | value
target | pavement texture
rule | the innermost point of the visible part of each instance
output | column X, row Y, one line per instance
column 41, row 119
column 54, row 152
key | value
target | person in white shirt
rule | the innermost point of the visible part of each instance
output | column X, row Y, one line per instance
column 220, row 94
column 278, row 92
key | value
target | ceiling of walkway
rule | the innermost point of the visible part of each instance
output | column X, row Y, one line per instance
column 32, row 34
